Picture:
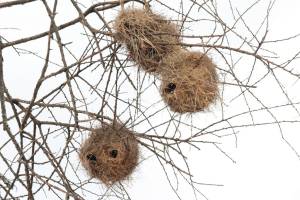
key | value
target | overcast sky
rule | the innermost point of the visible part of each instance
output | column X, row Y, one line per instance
column 258, row 164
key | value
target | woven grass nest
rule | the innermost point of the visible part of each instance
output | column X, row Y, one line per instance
column 147, row 36
column 189, row 82
column 110, row 153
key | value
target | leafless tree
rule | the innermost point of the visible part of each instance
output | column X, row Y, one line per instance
column 85, row 78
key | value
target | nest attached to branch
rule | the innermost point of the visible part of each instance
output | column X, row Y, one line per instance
column 110, row 153
column 147, row 36
column 189, row 81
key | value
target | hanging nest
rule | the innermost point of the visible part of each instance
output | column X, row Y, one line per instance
column 110, row 153
column 148, row 37
column 189, row 81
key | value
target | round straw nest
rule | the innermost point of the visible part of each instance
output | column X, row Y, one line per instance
column 189, row 81
column 147, row 36
column 110, row 153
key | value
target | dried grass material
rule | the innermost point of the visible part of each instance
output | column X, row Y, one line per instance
column 110, row 153
column 189, row 81
column 147, row 36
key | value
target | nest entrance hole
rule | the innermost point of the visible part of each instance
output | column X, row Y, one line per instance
column 91, row 157
column 113, row 153
column 170, row 88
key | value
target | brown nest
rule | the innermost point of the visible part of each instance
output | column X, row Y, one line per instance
column 110, row 153
column 147, row 36
column 189, row 81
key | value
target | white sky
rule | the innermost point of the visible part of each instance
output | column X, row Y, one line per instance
column 265, row 166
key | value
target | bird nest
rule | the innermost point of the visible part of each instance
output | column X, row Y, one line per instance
column 147, row 36
column 110, row 153
column 189, row 81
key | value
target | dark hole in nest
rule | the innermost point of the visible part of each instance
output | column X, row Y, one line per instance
column 151, row 52
column 170, row 88
column 113, row 153
column 91, row 157
column 127, row 25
